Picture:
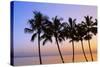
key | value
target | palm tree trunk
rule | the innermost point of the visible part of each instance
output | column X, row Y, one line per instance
column 83, row 51
column 73, row 50
column 90, row 49
column 59, row 50
column 39, row 48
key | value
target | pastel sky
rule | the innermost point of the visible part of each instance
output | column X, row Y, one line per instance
column 23, row 12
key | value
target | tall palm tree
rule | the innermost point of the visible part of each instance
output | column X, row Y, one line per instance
column 36, row 24
column 68, row 32
column 53, row 29
column 91, row 28
column 79, row 36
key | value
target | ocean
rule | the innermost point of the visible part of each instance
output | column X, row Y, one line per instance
column 51, row 59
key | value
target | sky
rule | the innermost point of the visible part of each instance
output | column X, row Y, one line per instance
column 23, row 12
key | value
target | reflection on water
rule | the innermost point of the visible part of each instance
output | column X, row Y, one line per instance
column 51, row 59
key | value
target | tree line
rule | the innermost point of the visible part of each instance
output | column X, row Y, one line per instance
column 44, row 28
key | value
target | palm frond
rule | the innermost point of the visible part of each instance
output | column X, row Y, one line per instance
column 88, row 37
column 94, row 30
column 46, row 40
column 33, row 36
column 95, row 23
column 27, row 30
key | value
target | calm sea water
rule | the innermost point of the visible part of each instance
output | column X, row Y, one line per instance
column 50, row 59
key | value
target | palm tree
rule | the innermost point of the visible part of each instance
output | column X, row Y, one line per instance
column 68, row 31
column 36, row 24
column 53, row 30
column 79, row 36
column 91, row 28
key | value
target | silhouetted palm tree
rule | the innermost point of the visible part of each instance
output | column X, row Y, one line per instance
column 90, row 29
column 36, row 25
column 79, row 36
column 53, row 30
column 68, row 31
